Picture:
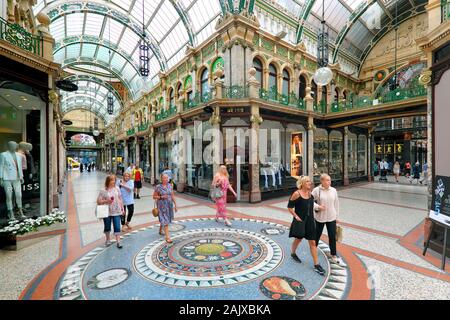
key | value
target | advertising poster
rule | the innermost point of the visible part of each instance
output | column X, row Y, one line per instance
column 441, row 200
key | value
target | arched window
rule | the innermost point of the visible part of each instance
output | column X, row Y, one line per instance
column 259, row 70
column 302, row 87
column 314, row 92
column 336, row 95
column 204, row 85
column 179, row 87
column 171, row 98
column 272, row 77
column 286, row 83
column 324, row 94
column 344, row 95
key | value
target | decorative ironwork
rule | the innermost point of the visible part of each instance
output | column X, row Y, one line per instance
column 236, row 92
column 144, row 58
column 110, row 103
column 18, row 36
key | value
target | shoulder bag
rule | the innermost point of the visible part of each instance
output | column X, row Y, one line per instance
column 155, row 210
column 102, row 211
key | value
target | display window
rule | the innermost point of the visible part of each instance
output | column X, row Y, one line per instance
column 320, row 153
column 362, row 155
column 23, row 152
column 297, row 154
column 352, row 155
column 336, row 152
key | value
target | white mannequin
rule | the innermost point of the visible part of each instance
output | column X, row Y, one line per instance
column 11, row 178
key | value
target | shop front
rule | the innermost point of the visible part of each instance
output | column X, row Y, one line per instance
column 23, row 146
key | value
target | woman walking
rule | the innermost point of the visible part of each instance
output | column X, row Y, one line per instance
column 328, row 213
column 301, row 205
column 221, row 180
column 166, row 204
column 126, row 190
column 112, row 197
column 396, row 170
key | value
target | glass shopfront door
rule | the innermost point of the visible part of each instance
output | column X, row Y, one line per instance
column 23, row 152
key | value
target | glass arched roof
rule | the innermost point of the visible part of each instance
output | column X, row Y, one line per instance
column 104, row 34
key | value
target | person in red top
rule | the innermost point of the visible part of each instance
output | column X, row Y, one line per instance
column 407, row 169
column 137, row 176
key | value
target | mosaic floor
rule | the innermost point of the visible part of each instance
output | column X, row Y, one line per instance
column 381, row 252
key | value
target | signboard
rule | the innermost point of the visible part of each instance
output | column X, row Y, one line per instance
column 66, row 85
column 440, row 210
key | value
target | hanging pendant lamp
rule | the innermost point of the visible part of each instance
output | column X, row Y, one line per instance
column 323, row 74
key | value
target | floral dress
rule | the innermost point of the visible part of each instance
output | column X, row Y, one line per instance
column 222, row 202
column 165, row 206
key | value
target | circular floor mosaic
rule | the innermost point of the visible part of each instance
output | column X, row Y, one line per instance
column 209, row 257
column 207, row 261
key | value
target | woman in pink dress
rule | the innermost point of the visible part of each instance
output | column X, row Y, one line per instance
column 221, row 179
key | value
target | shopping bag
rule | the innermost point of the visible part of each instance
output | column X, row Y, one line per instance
column 339, row 234
column 102, row 211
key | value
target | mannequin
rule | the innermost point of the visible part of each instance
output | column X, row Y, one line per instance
column 27, row 167
column 11, row 178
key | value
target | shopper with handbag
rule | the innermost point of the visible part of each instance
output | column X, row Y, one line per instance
column 166, row 204
column 301, row 205
column 126, row 190
column 328, row 212
column 220, row 186
column 111, row 196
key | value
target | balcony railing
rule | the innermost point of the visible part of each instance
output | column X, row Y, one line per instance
column 131, row 131
column 18, row 36
column 143, row 127
column 164, row 114
column 197, row 100
column 398, row 94
column 286, row 100
column 320, row 107
column 445, row 5
column 235, row 92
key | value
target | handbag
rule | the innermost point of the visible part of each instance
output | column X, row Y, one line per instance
column 339, row 234
column 297, row 229
column 216, row 193
column 102, row 211
column 155, row 210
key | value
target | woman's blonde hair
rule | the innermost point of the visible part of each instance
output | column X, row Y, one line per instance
column 302, row 180
column 222, row 169
column 324, row 176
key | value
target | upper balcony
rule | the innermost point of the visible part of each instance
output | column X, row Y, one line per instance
column 19, row 37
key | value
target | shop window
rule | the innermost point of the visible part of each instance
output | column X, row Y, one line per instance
column 259, row 71
column 362, row 155
column 320, row 164
column 314, row 92
column 204, row 82
column 286, row 83
column 352, row 155
column 336, row 95
column 272, row 77
column 302, row 87
column 336, row 151
column 23, row 148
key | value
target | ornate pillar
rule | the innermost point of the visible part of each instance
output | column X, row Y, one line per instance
column 256, row 120
column 125, row 155
column 310, row 155
column 181, row 184
column 309, row 100
column 369, row 154
column 152, row 155
column 137, row 150
column 425, row 79
column 237, row 62
column 346, row 180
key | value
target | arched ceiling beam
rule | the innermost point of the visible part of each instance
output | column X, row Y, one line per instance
column 306, row 10
column 87, row 100
column 415, row 11
column 80, row 39
column 78, row 107
column 93, row 79
column 67, row 63
column 60, row 9
column 354, row 16
column 385, row 10
column 186, row 19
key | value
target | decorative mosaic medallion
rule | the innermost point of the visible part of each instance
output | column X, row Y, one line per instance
column 108, row 279
column 272, row 231
column 282, row 288
column 209, row 258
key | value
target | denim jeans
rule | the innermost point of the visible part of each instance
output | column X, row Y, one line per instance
column 116, row 222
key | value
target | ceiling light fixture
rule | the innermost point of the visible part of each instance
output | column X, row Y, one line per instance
column 323, row 75
column 143, row 49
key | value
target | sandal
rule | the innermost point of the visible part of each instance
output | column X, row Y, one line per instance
column 169, row 241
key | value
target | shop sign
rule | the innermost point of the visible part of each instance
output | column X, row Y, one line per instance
column 388, row 148
column 66, row 85
column 235, row 110
column 378, row 148
column 441, row 200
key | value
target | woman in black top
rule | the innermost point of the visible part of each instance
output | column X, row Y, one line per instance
column 301, row 206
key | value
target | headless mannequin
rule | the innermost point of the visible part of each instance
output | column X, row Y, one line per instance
column 11, row 178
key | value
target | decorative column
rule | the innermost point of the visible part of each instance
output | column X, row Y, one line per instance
column 310, row 155
column 237, row 62
column 369, row 154
column 152, row 155
column 255, row 120
column 346, row 180
column 182, row 160
column 137, row 151
column 125, row 155
column 218, row 85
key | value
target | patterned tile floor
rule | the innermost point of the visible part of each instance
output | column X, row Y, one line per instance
column 381, row 250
